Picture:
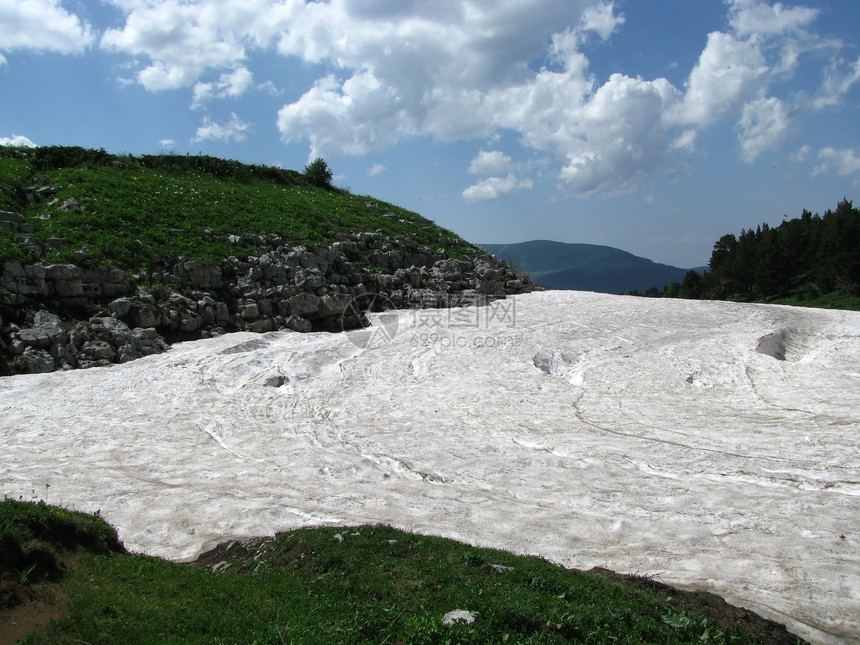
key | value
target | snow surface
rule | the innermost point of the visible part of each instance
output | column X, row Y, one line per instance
column 714, row 444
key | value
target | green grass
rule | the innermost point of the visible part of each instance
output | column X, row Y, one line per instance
column 370, row 584
column 138, row 209
column 33, row 536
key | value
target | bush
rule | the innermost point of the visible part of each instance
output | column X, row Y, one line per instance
column 318, row 173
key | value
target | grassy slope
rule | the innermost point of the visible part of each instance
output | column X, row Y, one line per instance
column 370, row 584
column 135, row 209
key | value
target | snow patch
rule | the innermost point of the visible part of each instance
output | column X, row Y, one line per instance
column 627, row 433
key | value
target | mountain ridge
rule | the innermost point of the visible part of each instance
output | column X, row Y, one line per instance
column 586, row 267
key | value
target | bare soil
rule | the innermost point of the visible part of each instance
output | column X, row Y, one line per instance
column 26, row 607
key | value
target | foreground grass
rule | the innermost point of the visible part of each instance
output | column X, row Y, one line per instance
column 370, row 584
column 128, row 211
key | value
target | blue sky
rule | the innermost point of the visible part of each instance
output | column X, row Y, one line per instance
column 655, row 127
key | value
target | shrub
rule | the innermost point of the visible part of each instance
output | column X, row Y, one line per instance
column 318, row 173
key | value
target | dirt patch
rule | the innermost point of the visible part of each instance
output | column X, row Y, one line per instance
column 26, row 607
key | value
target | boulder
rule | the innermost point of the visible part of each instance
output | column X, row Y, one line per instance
column 299, row 324
column 47, row 329
column 96, row 353
column 303, row 304
column 34, row 361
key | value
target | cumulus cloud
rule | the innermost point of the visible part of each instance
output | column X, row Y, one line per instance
column 437, row 73
column 233, row 130
column 41, row 25
column 751, row 17
column 349, row 118
column 456, row 70
column 17, row 141
column 183, row 40
column 432, row 72
column 843, row 162
column 494, row 187
column 376, row 169
column 490, row 163
column 729, row 73
column 626, row 139
column 601, row 19
column 230, row 85
column 763, row 124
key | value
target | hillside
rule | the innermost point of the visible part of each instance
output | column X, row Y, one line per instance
column 586, row 267
column 94, row 208
column 191, row 246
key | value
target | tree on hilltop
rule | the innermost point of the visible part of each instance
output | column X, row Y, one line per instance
column 318, row 173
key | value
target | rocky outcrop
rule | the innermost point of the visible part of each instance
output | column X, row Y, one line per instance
column 65, row 316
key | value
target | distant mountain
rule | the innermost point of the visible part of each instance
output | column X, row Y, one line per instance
column 586, row 267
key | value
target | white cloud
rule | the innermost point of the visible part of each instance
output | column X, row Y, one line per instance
column 686, row 140
column 490, row 163
column 763, row 124
column 438, row 71
column 843, row 162
column 183, row 40
column 17, row 141
column 459, row 69
column 620, row 138
column 230, row 85
column 233, row 130
column 349, row 118
column 601, row 19
column 269, row 88
column 728, row 74
column 376, row 169
column 494, row 188
column 802, row 153
column 41, row 25
column 839, row 76
column 751, row 18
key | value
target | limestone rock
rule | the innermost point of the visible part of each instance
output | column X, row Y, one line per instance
column 34, row 361
column 111, row 319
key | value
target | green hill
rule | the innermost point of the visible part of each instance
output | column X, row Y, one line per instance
column 586, row 267
column 95, row 208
